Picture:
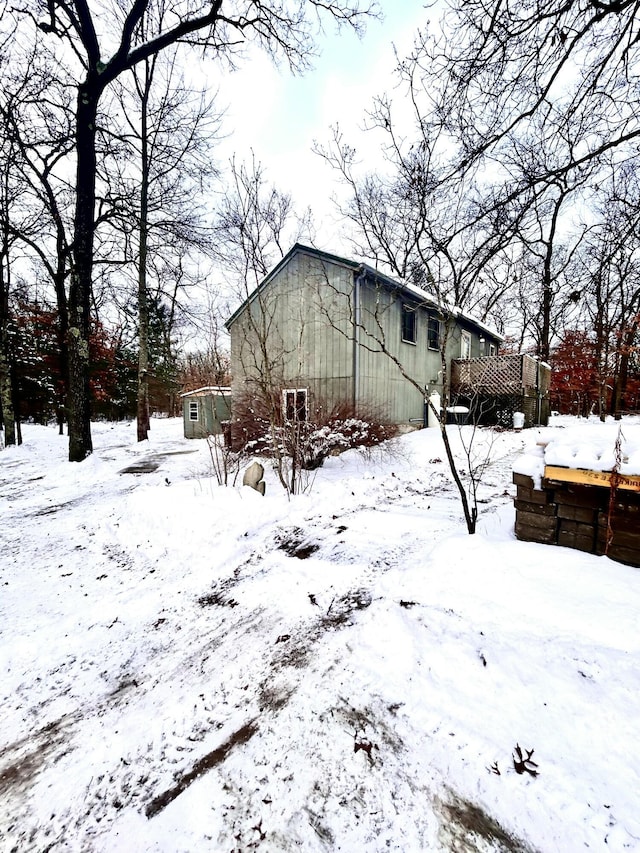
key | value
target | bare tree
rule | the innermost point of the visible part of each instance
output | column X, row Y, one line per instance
column 253, row 225
column 208, row 363
column 9, row 196
column 104, row 47
column 169, row 130
column 206, row 367
column 545, row 230
column 34, row 110
column 608, row 273
column 498, row 69
column 544, row 291
column 409, row 219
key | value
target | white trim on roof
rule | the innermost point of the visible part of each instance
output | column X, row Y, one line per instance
column 430, row 299
column 207, row 389
column 363, row 267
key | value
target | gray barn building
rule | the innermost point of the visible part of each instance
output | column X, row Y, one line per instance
column 325, row 330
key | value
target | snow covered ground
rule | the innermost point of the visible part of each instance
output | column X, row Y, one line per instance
column 186, row 667
column 587, row 444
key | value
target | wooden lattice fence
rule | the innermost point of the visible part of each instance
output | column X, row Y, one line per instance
column 494, row 387
column 501, row 374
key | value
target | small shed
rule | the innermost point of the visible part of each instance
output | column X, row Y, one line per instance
column 204, row 410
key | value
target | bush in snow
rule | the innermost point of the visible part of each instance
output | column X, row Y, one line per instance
column 339, row 435
column 309, row 442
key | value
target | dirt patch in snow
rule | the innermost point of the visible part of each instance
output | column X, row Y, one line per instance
column 206, row 763
column 296, row 543
column 144, row 466
column 21, row 761
column 467, row 827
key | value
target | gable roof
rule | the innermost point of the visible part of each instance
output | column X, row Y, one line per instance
column 406, row 289
column 297, row 248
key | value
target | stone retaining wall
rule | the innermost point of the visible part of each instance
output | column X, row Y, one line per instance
column 581, row 517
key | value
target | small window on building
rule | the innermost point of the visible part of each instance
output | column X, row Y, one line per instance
column 492, row 349
column 433, row 333
column 193, row 410
column 465, row 345
column 294, row 404
column 408, row 324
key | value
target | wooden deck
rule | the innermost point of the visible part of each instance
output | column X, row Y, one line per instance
column 500, row 375
column 494, row 387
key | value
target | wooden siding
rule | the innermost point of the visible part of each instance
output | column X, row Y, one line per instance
column 213, row 409
column 381, row 380
column 329, row 328
column 297, row 333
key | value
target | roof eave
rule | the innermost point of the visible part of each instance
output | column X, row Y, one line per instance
column 360, row 268
column 298, row 248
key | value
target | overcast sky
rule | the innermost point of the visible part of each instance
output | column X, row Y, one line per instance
column 280, row 116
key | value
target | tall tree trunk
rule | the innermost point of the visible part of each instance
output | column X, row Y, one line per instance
column 143, row 298
column 6, row 385
column 15, row 399
column 79, row 400
column 6, row 397
column 601, row 345
column 622, row 374
column 62, row 390
column 547, row 298
column 544, row 350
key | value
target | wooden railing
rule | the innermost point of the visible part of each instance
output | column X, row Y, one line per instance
column 500, row 375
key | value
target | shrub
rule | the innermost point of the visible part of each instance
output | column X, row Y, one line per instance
column 340, row 435
column 261, row 429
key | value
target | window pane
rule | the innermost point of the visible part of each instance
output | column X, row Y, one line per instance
column 408, row 324
column 193, row 411
column 294, row 404
column 301, row 405
column 434, row 333
column 289, row 405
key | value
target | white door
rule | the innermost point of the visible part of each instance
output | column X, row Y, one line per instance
column 465, row 345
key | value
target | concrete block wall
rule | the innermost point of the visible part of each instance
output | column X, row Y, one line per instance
column 581, row 517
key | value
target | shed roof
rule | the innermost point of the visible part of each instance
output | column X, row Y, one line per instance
column 207, row 389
